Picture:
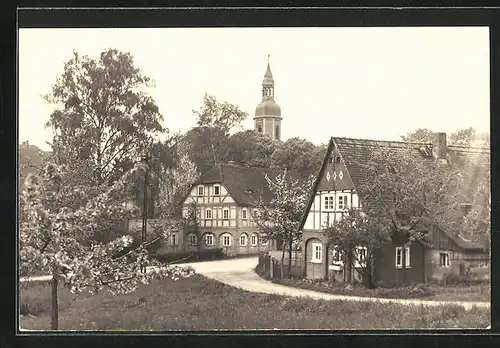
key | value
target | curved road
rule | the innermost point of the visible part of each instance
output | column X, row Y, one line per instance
column 240, row 274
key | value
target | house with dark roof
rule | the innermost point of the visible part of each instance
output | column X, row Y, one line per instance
column 225, row 197
column 337, row 187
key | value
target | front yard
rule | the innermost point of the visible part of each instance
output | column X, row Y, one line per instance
column 473, row 293
column 198, row 303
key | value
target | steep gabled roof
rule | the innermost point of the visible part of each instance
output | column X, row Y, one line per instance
column 244, row 184
column 473, row 164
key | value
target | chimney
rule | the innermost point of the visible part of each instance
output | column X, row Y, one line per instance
column 25, row 144
column 439, row 145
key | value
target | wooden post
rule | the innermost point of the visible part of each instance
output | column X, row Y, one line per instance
column 271, row 268
column 55, row 303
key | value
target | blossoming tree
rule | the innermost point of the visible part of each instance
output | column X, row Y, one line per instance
column 58, row 240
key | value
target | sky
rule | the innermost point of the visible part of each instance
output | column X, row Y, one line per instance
column 374, row 83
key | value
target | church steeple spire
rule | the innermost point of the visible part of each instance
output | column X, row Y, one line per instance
column 268, row 114
column 268, row 82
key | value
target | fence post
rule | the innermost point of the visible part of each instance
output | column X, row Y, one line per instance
column 271, row 268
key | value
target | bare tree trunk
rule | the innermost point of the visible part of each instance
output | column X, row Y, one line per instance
column 55, row 303
column 290, row 256
column 282, row 258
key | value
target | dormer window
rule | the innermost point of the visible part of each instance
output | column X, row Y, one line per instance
column 216, row 190
column 201, row 191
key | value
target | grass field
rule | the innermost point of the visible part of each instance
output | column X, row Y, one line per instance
column 476, row 293
column 198, row 303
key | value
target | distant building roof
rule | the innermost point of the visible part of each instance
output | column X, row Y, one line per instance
column 30, row 159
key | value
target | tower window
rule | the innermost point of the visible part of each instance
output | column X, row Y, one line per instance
column 277, row 132
column 259, row 128
column 337, row 159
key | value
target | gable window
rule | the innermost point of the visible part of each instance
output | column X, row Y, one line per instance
column 243, row 240
column 361, row 253
column 201, row 191
column 225, row 214
column 343, row 202
column 253, row 240
column 208, row 214
column 216, row 190
column 174, row 239
column 317, row 252
column 444, row 259
column 209, row 239
column 329, row 202
column 399, row 257
column 192, row 239
column 244, row 214
column 226, row 240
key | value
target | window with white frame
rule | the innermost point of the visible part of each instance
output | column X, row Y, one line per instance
column 361, row 253
column 174, row 238
column 216, row 190
column 192, row 239
column 444, row 259
column 342, row 202
column 208, row 214
column 399, row 257
column 201, row 190
column 329, row 202
column 226, row 240
column 244, row 215
column 254, row 239
column 243, row 240
column 225, row 214
column 317, row 252
column 209, row 239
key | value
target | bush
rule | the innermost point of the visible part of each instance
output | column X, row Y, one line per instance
column 190, row 256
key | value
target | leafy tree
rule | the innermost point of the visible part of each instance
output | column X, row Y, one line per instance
column 298, row 155
column 405, row 195
column 220, row 115
column 420, row 135
column 103, row 117
column 469, row 137
column 251, row 149
column 53, row 238
column 206, row 147
column 279, row 219
column 215, row 120
column 355, row 230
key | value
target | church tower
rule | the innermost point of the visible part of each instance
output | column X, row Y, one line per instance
column 267, row 118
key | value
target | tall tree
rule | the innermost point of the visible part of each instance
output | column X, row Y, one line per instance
column 298, row 155
column 221, row 115
column 53, row 238
column 215, row 120
column 103, row 116
column 251, row 149
column 420, row 135
column 405, row 195
column 206, row 147
column 279, row 218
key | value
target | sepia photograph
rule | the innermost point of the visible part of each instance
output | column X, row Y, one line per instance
column 254, row 178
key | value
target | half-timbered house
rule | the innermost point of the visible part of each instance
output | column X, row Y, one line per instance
column 225, row 198
column 334, row 191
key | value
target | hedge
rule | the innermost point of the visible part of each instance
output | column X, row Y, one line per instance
column 190, row 256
